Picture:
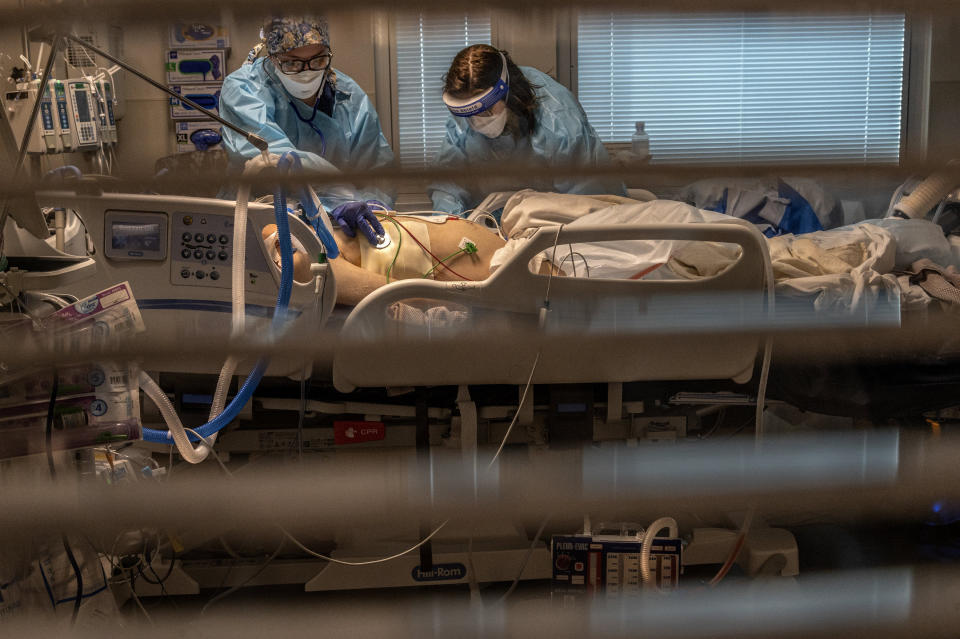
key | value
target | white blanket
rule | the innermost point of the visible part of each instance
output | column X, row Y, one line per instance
column 839, row 269
column 528, row 210
column 616, row 259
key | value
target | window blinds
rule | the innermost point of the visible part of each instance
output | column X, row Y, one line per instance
column 425, row 46
column 746, row 88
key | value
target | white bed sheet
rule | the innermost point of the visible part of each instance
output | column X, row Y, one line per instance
column 841, row 269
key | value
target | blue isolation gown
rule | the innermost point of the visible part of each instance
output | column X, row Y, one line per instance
column 255, row 100
column 562, row 136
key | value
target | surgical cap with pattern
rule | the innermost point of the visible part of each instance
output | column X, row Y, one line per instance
column 291, row 32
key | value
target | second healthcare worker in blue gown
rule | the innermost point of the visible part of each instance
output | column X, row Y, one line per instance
column 502, row 112
column 297, row 101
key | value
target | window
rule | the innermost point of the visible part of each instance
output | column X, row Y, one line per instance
column 746, row 88
column 425, row 46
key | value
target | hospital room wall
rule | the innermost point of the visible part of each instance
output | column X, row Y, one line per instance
column 944, row 123
column 531, row 36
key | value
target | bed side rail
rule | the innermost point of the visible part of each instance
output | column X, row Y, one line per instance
column 595, row 330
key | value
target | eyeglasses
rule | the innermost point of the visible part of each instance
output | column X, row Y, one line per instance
column 291, row 66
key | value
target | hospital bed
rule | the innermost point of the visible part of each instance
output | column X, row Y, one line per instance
column 578, row 330
column 873, row 358
column 644, row 350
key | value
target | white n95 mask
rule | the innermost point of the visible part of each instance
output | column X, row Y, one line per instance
column 305, row 84
column 491, row 126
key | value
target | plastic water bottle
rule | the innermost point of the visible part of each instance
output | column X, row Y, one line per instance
column 640, row 143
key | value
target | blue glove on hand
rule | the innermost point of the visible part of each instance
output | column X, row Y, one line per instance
column 354, row 216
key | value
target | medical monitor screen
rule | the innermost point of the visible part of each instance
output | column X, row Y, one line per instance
column 83, row 108
column 135, row 235
column 127, row 236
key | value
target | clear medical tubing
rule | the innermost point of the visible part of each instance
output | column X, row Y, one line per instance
column 200, row 453
column 237, row 282
column 932, row 190
column 652, row 530
column 279, row 316
column 239, row 312
column 155, row 393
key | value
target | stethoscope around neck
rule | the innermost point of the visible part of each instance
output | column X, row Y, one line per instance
column 309, row 122
column 313, row 115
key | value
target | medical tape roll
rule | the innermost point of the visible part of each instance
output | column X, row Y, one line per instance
column 411, row 260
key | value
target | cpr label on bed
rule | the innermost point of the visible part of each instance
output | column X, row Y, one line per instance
column 440, row 572
column 355, row 432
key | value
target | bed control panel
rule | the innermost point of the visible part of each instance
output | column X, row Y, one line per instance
column 201, row 252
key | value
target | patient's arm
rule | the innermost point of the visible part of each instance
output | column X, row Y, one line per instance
column 354, row 283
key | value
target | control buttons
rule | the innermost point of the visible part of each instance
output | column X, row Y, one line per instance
column 187, row 221
column 187, row 237
column 224, row 239
column 185, row 253
column 211, row 238
column 211, row 254
column 197, row 253
column 185, row 273
column 198, row 237
column 199, row 275
column 223, row 256
column 214, row 275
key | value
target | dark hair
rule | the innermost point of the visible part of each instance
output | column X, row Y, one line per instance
column 477, row 68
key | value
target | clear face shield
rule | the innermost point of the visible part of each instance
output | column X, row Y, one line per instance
column 477, row 108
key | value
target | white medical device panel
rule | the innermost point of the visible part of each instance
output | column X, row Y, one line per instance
column 47, row 124
column 142, row 240
column 105, row 113
column 83, row 119
column 202, row 253
column 59, row 96
column 19, row 106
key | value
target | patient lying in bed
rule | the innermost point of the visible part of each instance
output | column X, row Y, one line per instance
column 835, row 267
column 450, row 248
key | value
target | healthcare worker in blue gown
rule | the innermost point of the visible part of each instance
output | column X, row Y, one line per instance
column 500, row 112
column 297, row 101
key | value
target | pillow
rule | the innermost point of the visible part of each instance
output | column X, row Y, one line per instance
column 917, row 239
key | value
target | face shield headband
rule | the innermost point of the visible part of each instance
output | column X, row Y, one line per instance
column 473, row 106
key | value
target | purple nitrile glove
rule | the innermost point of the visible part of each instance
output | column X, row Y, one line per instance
column 354, row 216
